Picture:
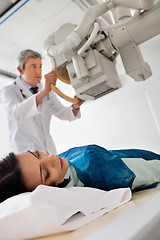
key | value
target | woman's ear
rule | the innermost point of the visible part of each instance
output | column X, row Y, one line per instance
column 20, row 70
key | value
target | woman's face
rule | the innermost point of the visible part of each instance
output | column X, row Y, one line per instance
column 41, row 168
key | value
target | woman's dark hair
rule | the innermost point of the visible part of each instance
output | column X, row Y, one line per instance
column 11, row 180
column 64, row 183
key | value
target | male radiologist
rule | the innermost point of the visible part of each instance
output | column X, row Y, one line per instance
column 30, row 106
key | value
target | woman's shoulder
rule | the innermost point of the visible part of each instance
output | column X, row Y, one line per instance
column 95, row 147
column 85, row 150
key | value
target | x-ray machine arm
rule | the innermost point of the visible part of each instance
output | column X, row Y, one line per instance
column 85, row 55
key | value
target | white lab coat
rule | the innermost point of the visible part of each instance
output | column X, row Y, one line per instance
column 28, row 125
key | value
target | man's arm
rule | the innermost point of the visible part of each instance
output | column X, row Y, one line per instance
column 50, row 77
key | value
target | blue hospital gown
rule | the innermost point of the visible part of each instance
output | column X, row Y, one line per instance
column 94, row 166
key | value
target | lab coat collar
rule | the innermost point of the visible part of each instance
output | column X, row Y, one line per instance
column 24, row 90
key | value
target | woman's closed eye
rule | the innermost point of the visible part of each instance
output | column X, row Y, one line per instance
column 45, row 174
column 43, row 171
column 37, row 154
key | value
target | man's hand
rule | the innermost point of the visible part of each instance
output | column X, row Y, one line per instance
column 50, row 78
column 76, row 106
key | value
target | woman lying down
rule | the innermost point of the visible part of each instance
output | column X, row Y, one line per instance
column 88, row 166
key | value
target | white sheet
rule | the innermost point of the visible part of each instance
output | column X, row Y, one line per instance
column 49, row 210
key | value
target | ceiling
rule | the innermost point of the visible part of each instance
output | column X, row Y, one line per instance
column 27, row 24
column 6, row 5
column 30, row 25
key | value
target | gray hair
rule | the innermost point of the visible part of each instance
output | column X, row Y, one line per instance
column 25, row 55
